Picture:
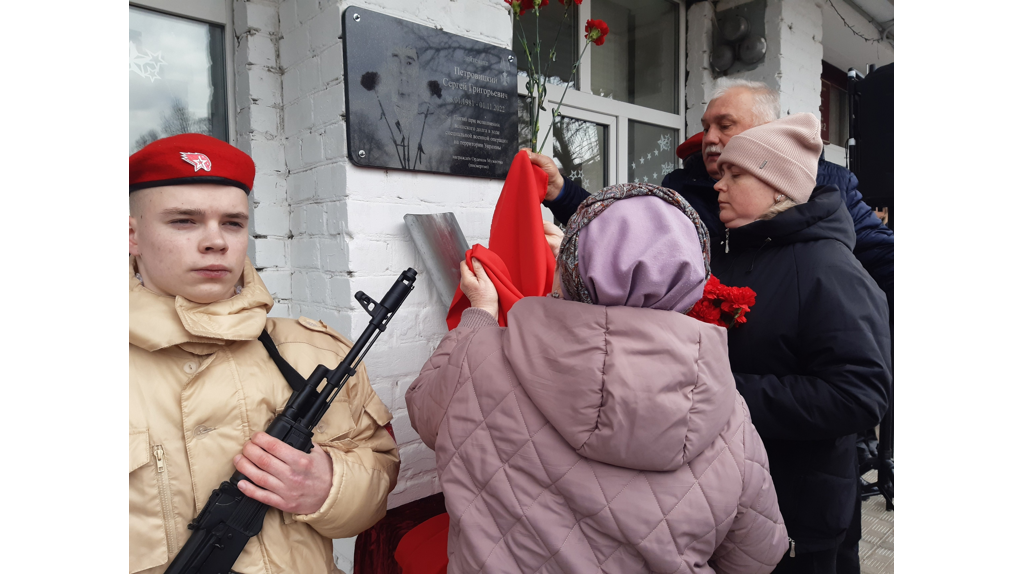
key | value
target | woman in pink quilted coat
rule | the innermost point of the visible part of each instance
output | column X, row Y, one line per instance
column 627, row 450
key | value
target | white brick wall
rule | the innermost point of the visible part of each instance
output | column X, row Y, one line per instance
column 799, row 48
column 258, row 132
column 347, row 231
column 699, row 22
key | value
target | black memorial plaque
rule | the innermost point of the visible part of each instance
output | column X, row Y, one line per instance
column 420, row 99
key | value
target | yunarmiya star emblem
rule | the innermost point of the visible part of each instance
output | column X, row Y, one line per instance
column 198, row 160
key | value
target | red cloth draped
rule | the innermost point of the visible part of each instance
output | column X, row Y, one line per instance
column 518, row 261
column 424, row 550
column 376, row 546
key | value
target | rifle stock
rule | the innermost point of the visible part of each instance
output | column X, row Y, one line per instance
column 229, row 518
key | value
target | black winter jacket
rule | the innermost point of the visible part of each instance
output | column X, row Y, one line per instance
column 813, row 360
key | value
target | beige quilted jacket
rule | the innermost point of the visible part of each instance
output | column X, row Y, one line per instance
column 595, row 439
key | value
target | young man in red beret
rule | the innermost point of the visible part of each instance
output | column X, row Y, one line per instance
column 202, row 388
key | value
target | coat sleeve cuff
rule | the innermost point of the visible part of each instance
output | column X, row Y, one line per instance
column 474, row 318
column 358, row 499
column 569, row 199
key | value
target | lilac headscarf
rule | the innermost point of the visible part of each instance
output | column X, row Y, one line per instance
column 637, row 246
column 642, row 252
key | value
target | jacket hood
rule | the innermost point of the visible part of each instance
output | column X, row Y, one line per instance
column 637, row 388
column 824, row 216
column 160, row 321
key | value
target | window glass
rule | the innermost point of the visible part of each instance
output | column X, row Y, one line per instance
column 652, row 152
column 580, row 151
column 552, row 32
column 639, row 61
column 176, row 78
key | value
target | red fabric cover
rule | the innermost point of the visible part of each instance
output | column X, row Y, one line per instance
column 163, row 163
column 495, row 268
column 376, row 546
column 690, row 146
column 519, row 261
column 424, row 549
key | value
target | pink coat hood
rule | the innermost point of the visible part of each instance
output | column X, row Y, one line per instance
column 624, row 386
column 584, row 438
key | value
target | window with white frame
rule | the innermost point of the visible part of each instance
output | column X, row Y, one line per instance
column 177, row 73
column 620, row 120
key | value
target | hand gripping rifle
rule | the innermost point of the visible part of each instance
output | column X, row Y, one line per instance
column 230, row 518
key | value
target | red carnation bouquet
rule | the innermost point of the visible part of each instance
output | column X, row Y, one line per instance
column 723, row 305
column 538, row 81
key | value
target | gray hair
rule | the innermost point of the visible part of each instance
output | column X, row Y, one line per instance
column 766, row 100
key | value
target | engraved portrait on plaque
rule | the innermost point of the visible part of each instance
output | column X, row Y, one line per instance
column 421, row 99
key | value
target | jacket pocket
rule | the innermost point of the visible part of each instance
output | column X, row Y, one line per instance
column 151, row 534
column 337, row 423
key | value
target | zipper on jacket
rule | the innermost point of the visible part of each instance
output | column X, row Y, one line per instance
column 165, row 500
column 792, row 548
column 726, row 240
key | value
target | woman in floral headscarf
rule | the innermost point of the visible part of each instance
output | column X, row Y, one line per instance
column 628, row 450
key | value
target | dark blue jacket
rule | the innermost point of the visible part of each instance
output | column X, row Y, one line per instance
column 874, row 246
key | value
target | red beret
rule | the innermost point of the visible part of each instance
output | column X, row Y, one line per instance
column 190, row 158
column 690, row 146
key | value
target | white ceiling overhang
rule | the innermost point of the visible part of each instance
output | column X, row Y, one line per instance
column 879, row 13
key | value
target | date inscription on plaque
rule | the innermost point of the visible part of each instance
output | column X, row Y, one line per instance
column 420, row 99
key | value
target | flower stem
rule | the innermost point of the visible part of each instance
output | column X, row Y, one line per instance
column 387, row 123
column 419, row 146
column 554, row 112
column 531, row 86
column 539, row 100
column 551, row 56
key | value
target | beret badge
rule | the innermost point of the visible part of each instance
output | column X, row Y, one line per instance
column 198, row 160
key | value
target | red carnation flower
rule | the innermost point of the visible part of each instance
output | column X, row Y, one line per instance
column 744, row 296
column 706, row 311
column 723, row 305
column 712, row 288
column 519, row 5
column 523, row 5
column 596, row 31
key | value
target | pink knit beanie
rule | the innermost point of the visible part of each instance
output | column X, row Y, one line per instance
column 784, row 154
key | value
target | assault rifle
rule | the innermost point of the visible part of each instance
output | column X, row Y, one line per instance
column 230, row 518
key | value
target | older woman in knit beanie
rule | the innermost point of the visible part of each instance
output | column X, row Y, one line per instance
column 628, row 450
column 813, row 360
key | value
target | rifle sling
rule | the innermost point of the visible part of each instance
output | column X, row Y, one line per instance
column 295, row 380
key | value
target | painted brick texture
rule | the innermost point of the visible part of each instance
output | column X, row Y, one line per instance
column 346, row 231
column 258, row 132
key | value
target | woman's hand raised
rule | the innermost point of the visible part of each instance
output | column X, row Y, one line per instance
column 477, row 286
column 554, row 236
